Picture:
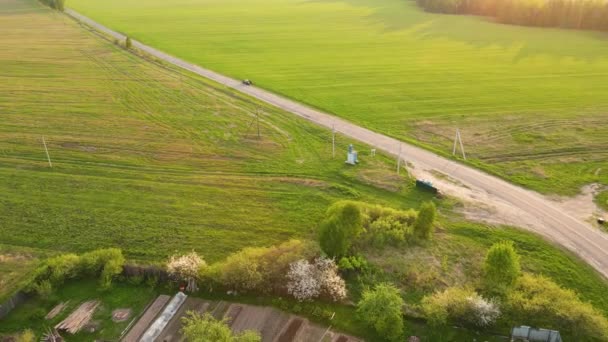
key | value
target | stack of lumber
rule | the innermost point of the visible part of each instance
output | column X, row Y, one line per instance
column 56, row 310
column 79, row 318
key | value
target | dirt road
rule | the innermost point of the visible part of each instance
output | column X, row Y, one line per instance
column 505, row 202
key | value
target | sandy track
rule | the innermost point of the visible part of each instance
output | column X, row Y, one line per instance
column 507, row 203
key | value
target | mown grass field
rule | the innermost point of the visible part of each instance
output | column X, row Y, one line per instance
column 531, row 102
column 150, row 160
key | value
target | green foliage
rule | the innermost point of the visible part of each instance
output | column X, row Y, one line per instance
column 381, row 308
column 43, row 288
column 205, row 328
column 26, row 336
column 262, row 269
column 538, row 301
column 107, row 263
column 501, row 267
column 128, row 43
column 456, row 304
column 354, row 263
column 425, row 222
column 602, row 199
column 342, row 225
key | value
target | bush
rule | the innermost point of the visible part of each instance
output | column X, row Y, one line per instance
column 26, row 336
column 43, row 289
column 106, row 263
column 459, row 305
column 501, row 267
column 381, row 309
column 342, row 224
column 425, row 222
column 537, row 301
column 128, row 43
column 205, row 328
column 306, row 281
column 262, row 269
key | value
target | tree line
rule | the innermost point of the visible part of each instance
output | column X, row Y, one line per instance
column 573, row 14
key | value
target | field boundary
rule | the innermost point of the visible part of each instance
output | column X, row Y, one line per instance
column 527, row 208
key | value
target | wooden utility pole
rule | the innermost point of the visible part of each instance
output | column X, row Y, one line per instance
column 48, row 157
column 458, row 139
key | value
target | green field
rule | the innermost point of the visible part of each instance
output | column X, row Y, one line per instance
column 155, row 161
column 531, row 102
column 151, row 160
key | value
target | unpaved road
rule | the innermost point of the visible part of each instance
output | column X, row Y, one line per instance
column 505, row 202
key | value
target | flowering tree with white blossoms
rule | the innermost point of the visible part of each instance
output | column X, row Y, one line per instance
column 486, row 311
column 329, row 280
column 307, row 281
column 302, row 280
column 186, row 267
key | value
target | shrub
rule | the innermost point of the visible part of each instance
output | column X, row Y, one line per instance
column 205, row 328
column 353, row 264
column 342, row 224
column 107, row 263
column 128, row 43
column 459, row 305
column 536, row 300
column 262, row 269
column 425, row 222
column 501, row 267
column 381, row 309
column 306, row 281
column 26, row 336
column 43, row 289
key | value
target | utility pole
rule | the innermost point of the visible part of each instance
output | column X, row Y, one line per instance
column 333, row 141
column 47, row 152
column 458, row 139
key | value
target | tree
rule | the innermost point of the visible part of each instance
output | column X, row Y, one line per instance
column 307, row 280
column 425, row 222
column 381, row 309
column 128, row 43
column 186, row 267
column 501, row 267
column 205, row 328
column 343, row 223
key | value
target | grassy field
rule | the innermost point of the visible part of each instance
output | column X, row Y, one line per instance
column 150, row 160
column 531, row 102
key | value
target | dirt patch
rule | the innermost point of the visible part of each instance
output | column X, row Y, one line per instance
column 582, row 205
column 142, row 324
column 121, row 315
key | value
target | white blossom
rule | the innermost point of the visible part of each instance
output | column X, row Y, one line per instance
column 186, row 267
column 307, row 281
column 302, row 281
column 486, row 311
